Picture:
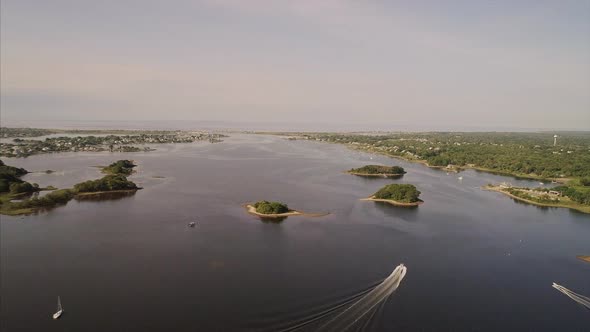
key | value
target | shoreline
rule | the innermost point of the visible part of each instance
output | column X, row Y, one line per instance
column 579, row 208
column 584, row 258
column 392, row 202
column 381, row 175
column 252, row 210
column 94, row 193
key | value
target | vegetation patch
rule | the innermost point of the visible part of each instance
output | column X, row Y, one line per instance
column 404, row 193
column 107, row 183
column 124, row 167
column 266, row 207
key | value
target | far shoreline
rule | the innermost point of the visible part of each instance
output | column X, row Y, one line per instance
column 456, row 168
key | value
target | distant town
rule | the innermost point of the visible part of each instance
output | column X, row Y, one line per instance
column 23, row 143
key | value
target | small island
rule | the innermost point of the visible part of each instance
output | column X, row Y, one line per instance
column 584, row 258
column 124, row 167
column 378, row 171
column 16, row 195
column 405, row 195
column 266, row 209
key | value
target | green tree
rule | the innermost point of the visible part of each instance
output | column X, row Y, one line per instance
column 399, row 192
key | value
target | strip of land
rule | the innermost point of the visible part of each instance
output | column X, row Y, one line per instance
column 380, row 175
column 252, row 210
column 98, row 193
column 584, row 258
column 562, row 202
column 391, row 201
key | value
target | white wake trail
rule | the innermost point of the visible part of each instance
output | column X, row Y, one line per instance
column 581, row 299
column 365, row 304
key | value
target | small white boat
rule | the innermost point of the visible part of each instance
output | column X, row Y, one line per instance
column 191, row 224
column 59, row 311
column 460, row 178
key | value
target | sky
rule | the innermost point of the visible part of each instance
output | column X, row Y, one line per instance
column 501, row 64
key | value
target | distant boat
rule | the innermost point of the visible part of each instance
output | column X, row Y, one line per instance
column 191, row 224
column 460, row 178
column 59, row 311
column 541, row 183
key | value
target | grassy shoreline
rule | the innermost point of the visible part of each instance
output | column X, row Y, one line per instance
column 97, row 193
column 573, row 206
column 393, row 202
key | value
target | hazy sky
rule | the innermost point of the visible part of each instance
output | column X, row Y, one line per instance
column 474, row 63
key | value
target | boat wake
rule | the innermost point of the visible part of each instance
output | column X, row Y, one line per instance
column 581, row 299
column 357, row 309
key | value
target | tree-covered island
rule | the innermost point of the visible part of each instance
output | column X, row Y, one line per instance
column 268, row 209
column 378, row 171
column 16, row 195
column 397, row 194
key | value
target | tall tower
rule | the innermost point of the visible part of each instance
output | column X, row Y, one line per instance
column 554, row 140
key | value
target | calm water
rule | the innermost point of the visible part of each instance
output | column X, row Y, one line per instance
column 476, row 260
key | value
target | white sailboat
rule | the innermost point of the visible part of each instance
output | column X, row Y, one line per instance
column 59, row 311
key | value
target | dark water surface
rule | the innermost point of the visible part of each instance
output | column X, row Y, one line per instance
column 477, row 260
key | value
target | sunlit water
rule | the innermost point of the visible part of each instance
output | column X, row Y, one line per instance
column 476, row 260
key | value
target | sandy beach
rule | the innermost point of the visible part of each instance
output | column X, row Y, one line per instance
column 392, row 202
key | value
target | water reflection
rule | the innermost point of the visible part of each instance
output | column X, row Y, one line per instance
column 381, row 177
column 409, row 213
column 273, row 220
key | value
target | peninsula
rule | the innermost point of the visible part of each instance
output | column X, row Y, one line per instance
column 378, row 171
column 405, row 195
column 268, row 209
column 571, row 196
